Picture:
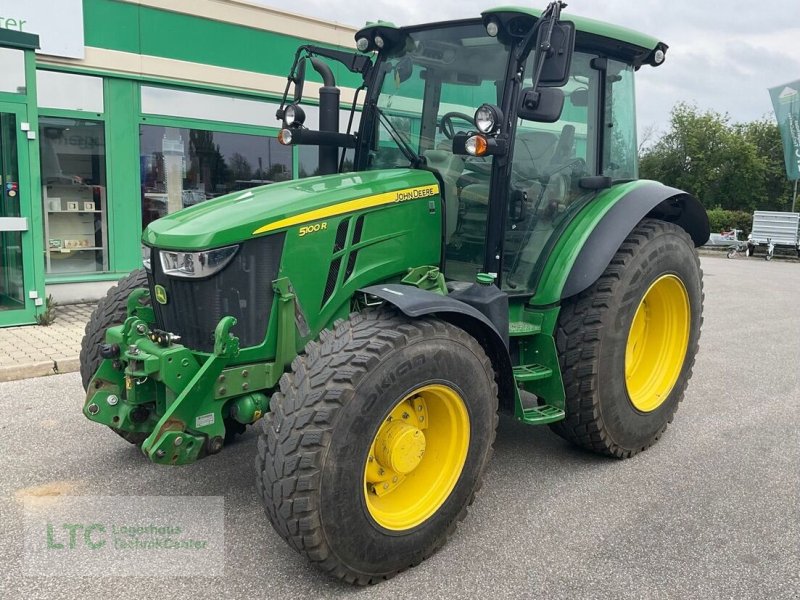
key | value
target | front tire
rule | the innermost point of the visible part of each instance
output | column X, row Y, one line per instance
column 376, row 443
column 110, row 311
column 627, row 344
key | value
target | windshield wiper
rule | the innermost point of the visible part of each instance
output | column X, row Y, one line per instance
column 413, row 158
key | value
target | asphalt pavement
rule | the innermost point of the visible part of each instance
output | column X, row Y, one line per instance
column 711, row 511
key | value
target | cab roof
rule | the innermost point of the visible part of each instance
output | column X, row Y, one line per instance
column 638, row 47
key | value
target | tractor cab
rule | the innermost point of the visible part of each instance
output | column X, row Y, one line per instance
column 522, row 116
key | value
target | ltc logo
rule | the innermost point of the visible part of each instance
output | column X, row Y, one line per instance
column 161, row 294
column 89, row 539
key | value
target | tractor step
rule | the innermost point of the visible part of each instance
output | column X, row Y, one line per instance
column 524, row 373
column 541, row 415
column 520, row 328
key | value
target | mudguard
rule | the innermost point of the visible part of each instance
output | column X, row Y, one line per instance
column 414, row 302
column 596, row 233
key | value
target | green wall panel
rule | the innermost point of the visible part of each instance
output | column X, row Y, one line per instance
column 140, row 29
column 122, row 156
column 112, row 25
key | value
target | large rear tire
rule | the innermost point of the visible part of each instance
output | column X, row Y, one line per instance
column 110, row 311
column 376, row 443
column 627, row 344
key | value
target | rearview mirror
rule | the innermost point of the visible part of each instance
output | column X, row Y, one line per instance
column 543, row 105
column 403, row 70
column 299, row 80
column 557, row 62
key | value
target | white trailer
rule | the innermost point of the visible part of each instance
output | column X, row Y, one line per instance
column 773, row 228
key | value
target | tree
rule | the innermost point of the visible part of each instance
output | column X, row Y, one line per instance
column 766, row 137
column 704, row 154
column 240, row 167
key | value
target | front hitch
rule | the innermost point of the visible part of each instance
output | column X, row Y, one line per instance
column 151, row 385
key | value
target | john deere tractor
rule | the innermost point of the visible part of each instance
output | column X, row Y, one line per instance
column 488, row 249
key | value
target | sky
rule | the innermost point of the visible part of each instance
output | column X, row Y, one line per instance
column 723, row 54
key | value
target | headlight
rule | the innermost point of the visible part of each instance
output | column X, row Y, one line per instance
column 488, row 118
column 196, row 264
column 476, row 145
column 294, row 116
column 147, row 265
column 362, row 44
column 285, row 137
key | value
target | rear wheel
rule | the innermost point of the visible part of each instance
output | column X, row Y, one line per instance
column 627, row 344
column 376, row 443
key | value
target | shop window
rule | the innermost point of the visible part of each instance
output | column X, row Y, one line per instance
column 69, row 91
column 308, row 161
column 73, row 163
column 12, row 66
column 182, row 167
column 308, row 156
column 208, row 107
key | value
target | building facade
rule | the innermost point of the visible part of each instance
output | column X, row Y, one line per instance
column 129, row 110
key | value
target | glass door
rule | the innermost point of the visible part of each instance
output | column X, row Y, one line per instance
column 17, row 307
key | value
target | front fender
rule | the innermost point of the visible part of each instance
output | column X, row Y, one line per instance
column 595, row 234
column 415, row 303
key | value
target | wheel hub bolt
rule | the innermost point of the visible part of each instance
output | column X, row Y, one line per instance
column 112, row 400
column 178, row 441
column 93, row 409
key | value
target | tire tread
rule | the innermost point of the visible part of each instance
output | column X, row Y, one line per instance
column 302, row 417
column 578, row 342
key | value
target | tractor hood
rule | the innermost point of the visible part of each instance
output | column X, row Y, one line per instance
column 239, row 216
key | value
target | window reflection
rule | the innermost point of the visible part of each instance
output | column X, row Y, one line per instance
column 12, row 67
column 69, row 91
column 208, row 107
column 181, row 167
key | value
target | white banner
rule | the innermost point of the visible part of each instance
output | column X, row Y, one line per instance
column 59, row 25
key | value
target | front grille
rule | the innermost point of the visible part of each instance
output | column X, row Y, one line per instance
column 243, row 289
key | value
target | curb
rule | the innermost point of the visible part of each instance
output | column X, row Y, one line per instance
column 40, row 369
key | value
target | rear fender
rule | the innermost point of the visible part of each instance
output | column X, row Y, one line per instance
column 590, row 241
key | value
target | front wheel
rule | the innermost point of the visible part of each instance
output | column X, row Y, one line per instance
column 732, row 253
column 627, row 344
column 110, row 311
column 376, row 443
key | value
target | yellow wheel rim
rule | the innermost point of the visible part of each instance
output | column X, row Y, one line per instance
column 416, row 457
column 657, row 343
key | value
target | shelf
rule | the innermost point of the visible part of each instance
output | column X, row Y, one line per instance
column 68, row 250
column 82, row 226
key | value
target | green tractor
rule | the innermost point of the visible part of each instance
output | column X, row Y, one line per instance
column 491, row 249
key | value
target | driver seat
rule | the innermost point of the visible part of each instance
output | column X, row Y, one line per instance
column 449, row 166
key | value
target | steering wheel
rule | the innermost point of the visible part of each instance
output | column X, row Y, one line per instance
column 446, row 123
